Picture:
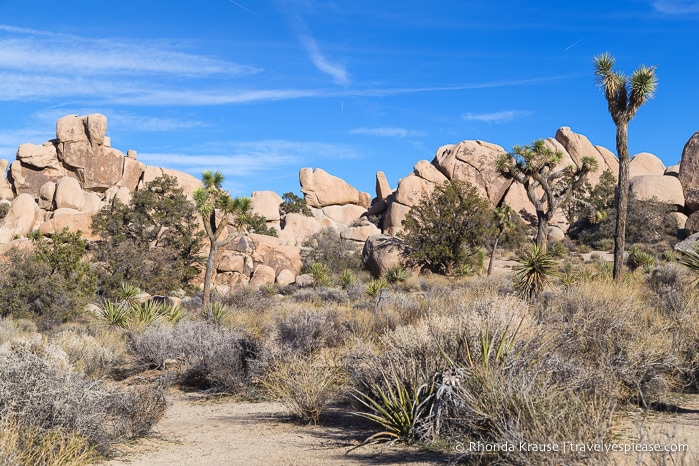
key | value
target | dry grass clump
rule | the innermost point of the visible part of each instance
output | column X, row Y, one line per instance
column 39, row 390
column 205, row 354
column 304, row 384
column 30, row 446
column 95, row 353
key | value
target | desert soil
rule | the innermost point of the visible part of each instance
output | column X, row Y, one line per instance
column 200, row 431
column 197, row 430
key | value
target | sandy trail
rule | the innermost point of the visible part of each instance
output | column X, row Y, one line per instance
column 195, row 431
column 200, row 431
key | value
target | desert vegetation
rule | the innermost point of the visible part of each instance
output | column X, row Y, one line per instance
column 438, row 350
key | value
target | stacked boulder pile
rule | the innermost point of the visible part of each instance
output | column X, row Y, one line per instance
column 474, row 161
column 64, row 182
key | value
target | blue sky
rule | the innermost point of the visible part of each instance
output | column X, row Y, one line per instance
column 260, row 88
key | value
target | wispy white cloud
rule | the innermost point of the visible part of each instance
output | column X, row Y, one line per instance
column 336, row 70
column 68, row 55
column 676, row 7
column 388, row 132
column 120, row 119
column 239, row 159
column 496, row 117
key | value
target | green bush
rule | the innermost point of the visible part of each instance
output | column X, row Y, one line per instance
column 294, row 204
column 448, row 227
column 327, row 248
column 153, row 242
column 258, row 224
column 31, row 288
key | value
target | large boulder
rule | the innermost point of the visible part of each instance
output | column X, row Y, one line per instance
column 133, row 170
column 665, row 189
column 263, row 276
column 298, row 227
column 39, row 156
column 579, row 147
column 382, row 252
column 343, row 214
column 645, row 163
column 383, row 189
column 474, row 162
column 69, row 194
column 691, row 225
column 20, row 219
column 322, row 189
column 395, row 214
column 97, row 166
column 266, row 204
column 46, row 194
column 233, row 261
column 412, row 189
column 29, row 180
column 360, row 232
column 71, row 128
column 269, row 251
column 72, row 219
column 689, row 172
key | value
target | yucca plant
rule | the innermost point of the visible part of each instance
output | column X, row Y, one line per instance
column 127, row 293
column 320, row 274
column 375, row 286
column 533, row 273
column 690, row 259
column 396, row 274
column 639, row 259
column 113, row 313
column 142, row 315
column 465, row 270
column 217, row 312
column 346, row 278
column 398, row 408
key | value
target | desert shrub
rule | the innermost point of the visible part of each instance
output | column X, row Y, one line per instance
column 557, row 249
column 96, row 355
column 327, row 248
column 4, row 209
column 153, row 242
column 248, row 299
column 444, row 229
column 648, row 222
column 258, row 224
column 29, row 288
column 294, row 204
column 320, row 274
column 209, row 355
column 303, row 384
column 39, row 389
column 305, row 331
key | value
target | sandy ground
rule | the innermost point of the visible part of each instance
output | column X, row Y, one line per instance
column 201, row 431
column 196, row 431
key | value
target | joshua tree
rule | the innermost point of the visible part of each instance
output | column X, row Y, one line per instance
column 211, row 201
column 624, row 97
column 533, row 167
column 504, row 221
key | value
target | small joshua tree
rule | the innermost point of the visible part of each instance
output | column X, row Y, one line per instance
column 547, row 187
column 220, row 213
column 504, row 221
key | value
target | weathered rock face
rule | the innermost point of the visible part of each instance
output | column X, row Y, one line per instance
column 72, row 219
column 68, row 194
column 381, row 252
column 383, row 189
column 28, row 180
column 578, row 147
column 20, row 219
column 665, row 189
column 692, row 223
column 266, row 204
column 360, row 232
column 474, row 161
column 263, row 276
column 645, row 163
column 689, row 172
column 322, row 189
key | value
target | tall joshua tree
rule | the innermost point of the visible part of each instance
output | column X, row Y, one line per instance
column 625, row 95
column 547, row 188
column 220, row 213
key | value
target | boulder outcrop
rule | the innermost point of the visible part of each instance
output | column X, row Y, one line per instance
column 382, row 252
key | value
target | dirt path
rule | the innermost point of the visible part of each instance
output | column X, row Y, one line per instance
column 196, row 431
column 200, row 431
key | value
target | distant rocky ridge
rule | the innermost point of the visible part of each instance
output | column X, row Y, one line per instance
column 65, row 181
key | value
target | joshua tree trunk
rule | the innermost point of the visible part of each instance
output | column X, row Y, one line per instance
column 542, row 232
column 492, row 254
column 213, row 250
column 622, row 198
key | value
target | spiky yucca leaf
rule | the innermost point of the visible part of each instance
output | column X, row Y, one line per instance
column 535, row 268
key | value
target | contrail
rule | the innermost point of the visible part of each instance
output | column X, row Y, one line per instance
column 567, row 48
column 249, row 11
